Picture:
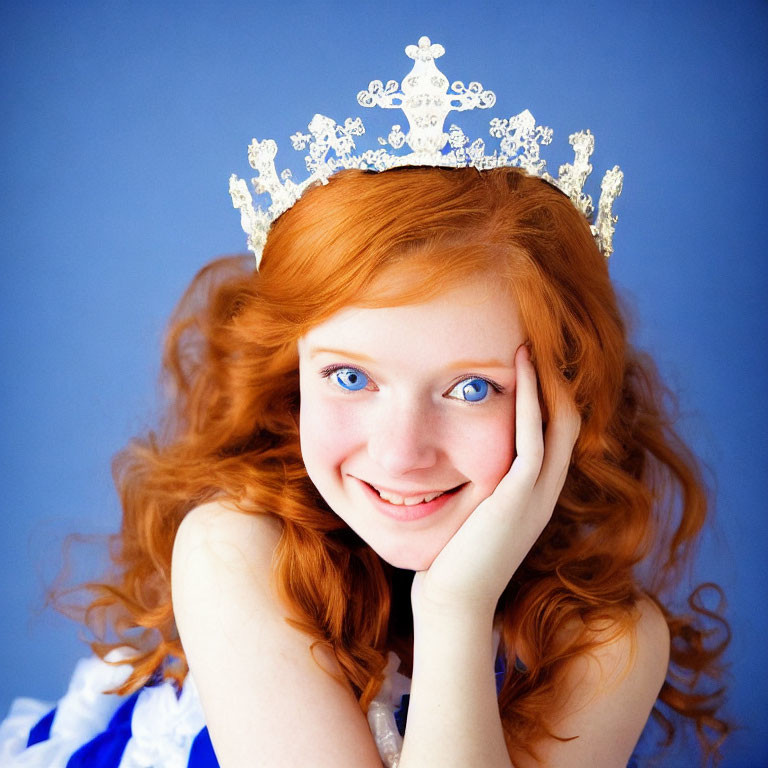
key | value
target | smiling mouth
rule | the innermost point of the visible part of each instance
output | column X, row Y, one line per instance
column 411, row 501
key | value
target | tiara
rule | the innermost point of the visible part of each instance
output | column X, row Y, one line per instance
column 426, row 100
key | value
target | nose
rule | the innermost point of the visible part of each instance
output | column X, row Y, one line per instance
column 403, row 439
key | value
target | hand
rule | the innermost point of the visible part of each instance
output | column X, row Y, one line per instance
column 477, row 563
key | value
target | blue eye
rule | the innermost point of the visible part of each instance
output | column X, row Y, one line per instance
column 350, row 378
column 472, row 390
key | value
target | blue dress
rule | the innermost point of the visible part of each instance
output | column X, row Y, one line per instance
column 155, row 727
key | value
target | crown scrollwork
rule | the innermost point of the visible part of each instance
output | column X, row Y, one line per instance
column 426, row 99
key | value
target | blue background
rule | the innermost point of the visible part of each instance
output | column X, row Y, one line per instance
column 122, row 120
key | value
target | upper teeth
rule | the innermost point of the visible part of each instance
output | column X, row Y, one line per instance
column 409, row 501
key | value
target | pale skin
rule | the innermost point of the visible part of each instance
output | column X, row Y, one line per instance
column 267, row 701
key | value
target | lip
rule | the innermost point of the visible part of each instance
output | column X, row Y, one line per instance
column 404, row 513
column 409, row 493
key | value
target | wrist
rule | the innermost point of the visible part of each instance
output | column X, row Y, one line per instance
column 432, row 604
column 452, row 617
column 464, row 644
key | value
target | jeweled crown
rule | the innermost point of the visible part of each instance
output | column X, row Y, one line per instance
column 426, row 100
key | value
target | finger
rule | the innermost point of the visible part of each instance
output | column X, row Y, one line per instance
column 529, row 439
column 561, row 433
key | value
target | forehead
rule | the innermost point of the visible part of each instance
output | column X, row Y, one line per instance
column 479, row 319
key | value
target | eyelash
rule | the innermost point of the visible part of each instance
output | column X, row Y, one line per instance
column 329, row 370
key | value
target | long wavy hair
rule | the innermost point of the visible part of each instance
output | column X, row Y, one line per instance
column 633, row 502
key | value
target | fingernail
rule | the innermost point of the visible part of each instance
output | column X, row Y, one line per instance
column 520, row 665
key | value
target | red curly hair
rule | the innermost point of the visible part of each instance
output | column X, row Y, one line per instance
column 629, row 514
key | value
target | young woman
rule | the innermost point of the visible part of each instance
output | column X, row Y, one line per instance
column 413, row 450
column 389, row 350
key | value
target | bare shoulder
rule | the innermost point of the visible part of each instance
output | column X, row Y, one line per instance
column 653, row 633
column 221, row 571
column 222, row 577
column 219, row 528
column 642, row 652
column 260, row 680
column 608, row 693
column 627, row 669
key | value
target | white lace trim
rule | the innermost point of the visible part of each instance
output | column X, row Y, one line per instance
column 381, row 712
column 82, row 713
column 163, row 727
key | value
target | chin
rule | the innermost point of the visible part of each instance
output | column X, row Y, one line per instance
column 410, row 563
column 408, row 558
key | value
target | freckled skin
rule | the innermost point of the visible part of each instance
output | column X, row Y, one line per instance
column 407, row 430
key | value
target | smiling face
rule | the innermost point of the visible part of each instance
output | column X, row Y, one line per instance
column 407, row 415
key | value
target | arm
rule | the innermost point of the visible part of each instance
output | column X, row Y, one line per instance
column 453, row 717
column 266, row 700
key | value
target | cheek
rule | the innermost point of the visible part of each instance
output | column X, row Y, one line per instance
column 485, row 452
column 328, row 433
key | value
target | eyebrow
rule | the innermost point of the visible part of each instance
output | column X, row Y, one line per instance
column 340, row 353
column 469, row 364
column 464, row 365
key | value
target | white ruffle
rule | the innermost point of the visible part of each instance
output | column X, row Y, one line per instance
column 81, row 714
column 163, row 726
column 381, row 712
column 14, row 730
